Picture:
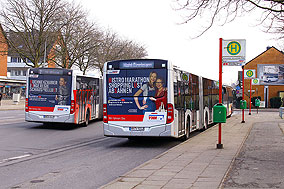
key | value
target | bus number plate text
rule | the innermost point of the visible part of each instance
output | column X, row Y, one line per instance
column 136, row 128
column 48, row 116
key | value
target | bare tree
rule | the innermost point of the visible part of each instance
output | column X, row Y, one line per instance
column 30, row 27
column 112, row 47
column 90, row 44
column 59, row 33
column 219, row 11
column 75, row 33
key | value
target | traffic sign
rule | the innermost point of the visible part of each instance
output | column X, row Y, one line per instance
column 255, row 81
column 249, row 74
column 234, row 52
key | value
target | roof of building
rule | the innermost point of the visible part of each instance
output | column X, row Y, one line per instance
column 267, row 49
column 2, row 31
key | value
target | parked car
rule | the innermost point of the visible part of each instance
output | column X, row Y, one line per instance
column 271, row 79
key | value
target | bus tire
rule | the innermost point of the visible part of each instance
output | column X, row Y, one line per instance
column 206, row 122
column 86, row 123
column 187, row 130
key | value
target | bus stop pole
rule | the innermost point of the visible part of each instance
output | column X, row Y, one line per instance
column 250, row 98
column 243, row 78
column 220, row 145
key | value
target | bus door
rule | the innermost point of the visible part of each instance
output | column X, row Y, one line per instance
column 80, row 96
column 181, row 107
column 84, row 98
column 93, row 101
column 82, row 104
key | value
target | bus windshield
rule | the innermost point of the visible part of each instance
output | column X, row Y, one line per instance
column 48, row 90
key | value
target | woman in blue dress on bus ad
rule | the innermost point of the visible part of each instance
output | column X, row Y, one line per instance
column 148, row 90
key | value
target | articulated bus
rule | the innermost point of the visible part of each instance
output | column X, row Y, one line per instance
column 56, row 95
column 151, row 97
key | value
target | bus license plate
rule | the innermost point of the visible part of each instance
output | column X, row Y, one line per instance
column 136, row 128
column 48, row 116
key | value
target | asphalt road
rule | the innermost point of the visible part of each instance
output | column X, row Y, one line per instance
column 60, row 156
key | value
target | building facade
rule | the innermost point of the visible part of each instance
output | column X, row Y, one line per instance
column 3, row 53
column 269, row 69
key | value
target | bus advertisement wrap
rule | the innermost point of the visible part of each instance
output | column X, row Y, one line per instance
column 137, row 95
column 48, row 91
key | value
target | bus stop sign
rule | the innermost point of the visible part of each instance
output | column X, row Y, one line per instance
column 233, row 52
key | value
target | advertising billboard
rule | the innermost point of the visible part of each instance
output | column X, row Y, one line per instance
column 270, row 74
column 134, row 93
column 49, row 90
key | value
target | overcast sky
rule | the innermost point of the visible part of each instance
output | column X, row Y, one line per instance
column 154, row 24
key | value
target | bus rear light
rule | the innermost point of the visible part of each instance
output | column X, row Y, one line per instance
column 27, row 105
column 105, row 118
column 72, row 109
column 170, row 113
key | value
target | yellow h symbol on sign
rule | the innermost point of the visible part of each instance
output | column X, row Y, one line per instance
column 234, row 48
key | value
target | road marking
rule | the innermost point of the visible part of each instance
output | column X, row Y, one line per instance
column 28, row 157
column 15, row 158
column 11, row 119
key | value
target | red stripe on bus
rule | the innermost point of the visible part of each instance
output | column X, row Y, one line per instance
column 38, row 108
column 125, row 117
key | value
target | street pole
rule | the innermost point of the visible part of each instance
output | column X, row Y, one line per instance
column 250, row 98
column 243, row 119
column 220, row 145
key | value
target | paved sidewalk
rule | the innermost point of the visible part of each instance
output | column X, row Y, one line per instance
column 10, row 105
column 195, row 163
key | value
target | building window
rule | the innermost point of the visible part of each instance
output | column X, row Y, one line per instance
column 16, row 59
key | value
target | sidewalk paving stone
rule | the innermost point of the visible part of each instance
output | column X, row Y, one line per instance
column 196, row 163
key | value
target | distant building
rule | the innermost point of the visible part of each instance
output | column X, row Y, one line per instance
column 3, row 53
column 269, row 69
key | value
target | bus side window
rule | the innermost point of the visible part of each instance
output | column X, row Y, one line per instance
column 176, row 94
column 187, row 95
column 195, row 86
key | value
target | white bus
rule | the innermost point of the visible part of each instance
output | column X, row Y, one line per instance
column 56, row 95
column 150, row 97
